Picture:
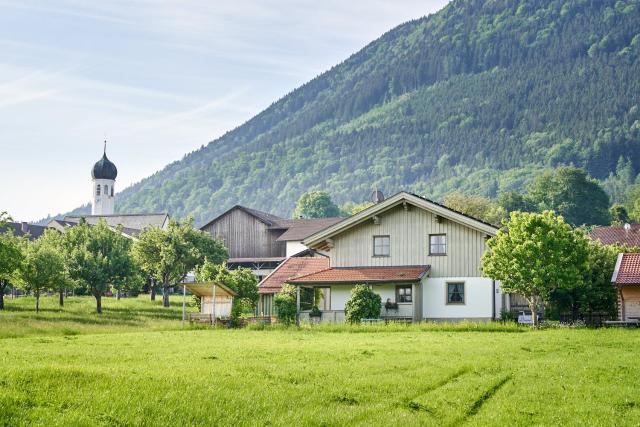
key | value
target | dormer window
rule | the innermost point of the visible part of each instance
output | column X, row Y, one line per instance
column 381, row 245
column 98, row 190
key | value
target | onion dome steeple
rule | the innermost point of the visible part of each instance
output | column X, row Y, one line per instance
column 104, row 168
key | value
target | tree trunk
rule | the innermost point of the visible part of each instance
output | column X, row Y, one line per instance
column 61, row 298
column 98, row 303
column 118, row 295
column 533, row 306
column 37, row 302
column 3, row 285
column 165, row 295
column 152, row 287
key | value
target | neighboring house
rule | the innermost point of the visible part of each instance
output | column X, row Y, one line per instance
column 259, row 240
column 290, row 268
column 132, row 224
column 628, row 234
column 22, row 229
column 626, row 277
column 412, row 251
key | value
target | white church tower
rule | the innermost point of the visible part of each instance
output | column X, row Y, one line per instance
column 104, row 175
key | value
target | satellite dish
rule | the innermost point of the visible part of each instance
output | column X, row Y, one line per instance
column 627, row 227
column 377, row 196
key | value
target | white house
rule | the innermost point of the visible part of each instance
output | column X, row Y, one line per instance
column 415, row 253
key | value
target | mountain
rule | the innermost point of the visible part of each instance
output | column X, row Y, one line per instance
column 479, row 97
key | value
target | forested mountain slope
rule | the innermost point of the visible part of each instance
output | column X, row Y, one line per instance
column 477, row 98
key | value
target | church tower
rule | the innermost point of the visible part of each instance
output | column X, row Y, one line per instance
column 103, row 175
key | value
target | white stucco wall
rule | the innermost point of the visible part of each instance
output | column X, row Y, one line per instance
column 478, row 298
column 104, row 203
column 340, row 294
column 294, row 247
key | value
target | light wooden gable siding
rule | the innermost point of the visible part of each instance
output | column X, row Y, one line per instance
column 246, row 236
column 409, row 231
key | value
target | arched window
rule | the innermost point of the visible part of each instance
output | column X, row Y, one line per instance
column 98, row 190
column 106, row 190
column 112, row 191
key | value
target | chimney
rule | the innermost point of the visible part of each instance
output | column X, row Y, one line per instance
column 377, row 196
column 24, row 227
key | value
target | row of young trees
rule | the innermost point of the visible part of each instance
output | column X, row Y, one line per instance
column 97, row 258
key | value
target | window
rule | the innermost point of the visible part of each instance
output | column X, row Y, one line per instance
column 381, row 245
column 98, row 190
column 455, row 293
column 437, row 244
column 112, row 191
column 106, row 190
column 404, row 293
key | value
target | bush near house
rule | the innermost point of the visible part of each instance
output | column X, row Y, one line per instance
column 285, row 304
column 363, row 304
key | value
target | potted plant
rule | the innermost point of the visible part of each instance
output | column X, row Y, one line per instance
column 315, row 312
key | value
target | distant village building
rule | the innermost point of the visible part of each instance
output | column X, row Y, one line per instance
column 103, row 178
column 627, row 234
column 23, row 229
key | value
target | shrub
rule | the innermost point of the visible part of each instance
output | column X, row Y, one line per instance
column 363, row 304
column 285, row 304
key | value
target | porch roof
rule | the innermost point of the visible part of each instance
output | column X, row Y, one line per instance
column 290, row 268
column 627, row 271
column 206, row 289
column 411, row 273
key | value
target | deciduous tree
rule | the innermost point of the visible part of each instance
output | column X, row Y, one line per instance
column 570, row 192
column 316, row 204
column 98, row 257
column 168, row 255
column 10, row 257
column 42, row 268
column 535, row 255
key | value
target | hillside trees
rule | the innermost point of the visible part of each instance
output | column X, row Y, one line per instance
column 570, row 192
column 476, row 206
column 535, row 255
column 168, row 255
column 97, row 258
column 316, row 204
column 478, row 98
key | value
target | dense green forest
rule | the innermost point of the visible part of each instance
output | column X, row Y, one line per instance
column 478, row 98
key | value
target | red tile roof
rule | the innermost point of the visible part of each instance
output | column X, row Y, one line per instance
column 291, row 267
column 612, row 235
column 628, row 270
column 364, row 275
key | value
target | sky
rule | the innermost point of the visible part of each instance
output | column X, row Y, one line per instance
column 157, row 79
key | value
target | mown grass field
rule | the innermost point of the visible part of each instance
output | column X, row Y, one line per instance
column 332, row 376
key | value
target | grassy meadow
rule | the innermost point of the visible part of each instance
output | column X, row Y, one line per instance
column 145, row 369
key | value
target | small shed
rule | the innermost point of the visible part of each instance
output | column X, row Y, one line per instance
column 216, row 300
column 626, row 277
